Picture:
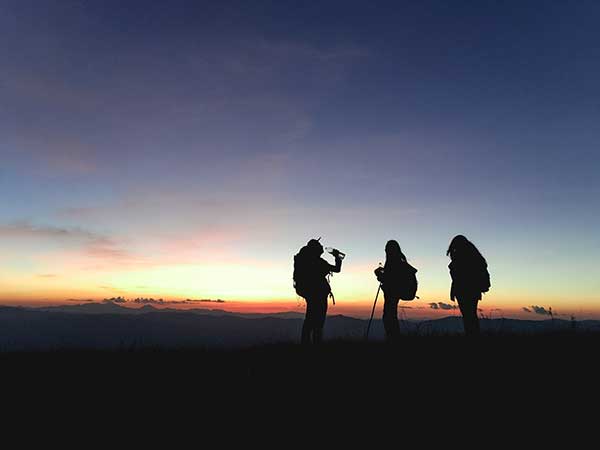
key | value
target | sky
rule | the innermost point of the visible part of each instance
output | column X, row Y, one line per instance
column 188, row 149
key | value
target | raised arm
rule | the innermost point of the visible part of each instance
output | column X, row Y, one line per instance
column 333, row 268
column 338, row 265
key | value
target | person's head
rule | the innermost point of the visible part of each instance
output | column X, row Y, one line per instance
column 314, row 247
column 460, row 247
column 393, row 251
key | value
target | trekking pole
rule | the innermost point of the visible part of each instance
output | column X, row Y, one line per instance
column 372, row 312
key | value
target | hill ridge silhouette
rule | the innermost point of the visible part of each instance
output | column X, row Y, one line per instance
column 52, row 329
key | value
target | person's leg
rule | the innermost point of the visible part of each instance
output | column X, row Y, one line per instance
column 319, row 323
column 475, row 322
column 468, row 309
column 308, row 325
column 390, row 318
column 465, row 311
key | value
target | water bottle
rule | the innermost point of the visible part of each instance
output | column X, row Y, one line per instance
column 335, row 251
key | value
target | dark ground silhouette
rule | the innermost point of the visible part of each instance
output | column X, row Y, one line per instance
column 436, row 364
column 428, row 376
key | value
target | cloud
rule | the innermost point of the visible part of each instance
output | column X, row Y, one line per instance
column 115, row 300
column 160, row 301
column 26, row 230
column 526, row 309
column 210, row 230
column 539, row 310
column 446, row 306
column 106, row 249
column 442, row 305
column 265, row 87
column 148, row 301
column 193, row 245
column 94, row 248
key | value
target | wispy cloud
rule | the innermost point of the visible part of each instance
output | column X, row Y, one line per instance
column 106, row 250
column 110, row 288
column 28, row 231
column 91, row 248
column 160, row 301
column 265, row 87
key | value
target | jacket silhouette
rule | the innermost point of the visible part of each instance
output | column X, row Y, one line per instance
column 396, row 282
column 310, row 280
column 470, row 278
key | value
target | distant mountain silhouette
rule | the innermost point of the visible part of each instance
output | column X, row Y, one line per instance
column 93, row 308
column 113, row 308
column 110, row 326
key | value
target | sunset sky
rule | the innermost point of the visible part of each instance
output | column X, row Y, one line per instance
column 188, row 149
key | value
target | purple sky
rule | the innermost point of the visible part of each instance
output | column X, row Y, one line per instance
column 190, row 148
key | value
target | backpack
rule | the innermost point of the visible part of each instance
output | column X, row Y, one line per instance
column 485, row 283
column 408, row 287
column 299, row 276
column 307, row 283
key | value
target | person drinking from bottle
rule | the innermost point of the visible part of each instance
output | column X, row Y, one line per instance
column 398, row 281
column 310, row 281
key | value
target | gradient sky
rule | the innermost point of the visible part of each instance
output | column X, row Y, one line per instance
column 189, row 149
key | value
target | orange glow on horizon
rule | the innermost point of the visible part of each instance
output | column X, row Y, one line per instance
column 262, row 287
column 418, row 309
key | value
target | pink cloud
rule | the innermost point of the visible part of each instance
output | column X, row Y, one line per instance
column 214, row 244
column 83, row 245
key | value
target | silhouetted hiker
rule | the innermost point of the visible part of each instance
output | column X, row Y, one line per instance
column 398, row 281
column 470, row 278
column 310, row 281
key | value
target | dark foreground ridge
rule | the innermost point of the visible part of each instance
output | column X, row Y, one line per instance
column 423, row 379
column 434, row 361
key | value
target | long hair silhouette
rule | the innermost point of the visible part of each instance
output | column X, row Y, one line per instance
column 393, row 252
column 470, row 278
column 462, row 249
